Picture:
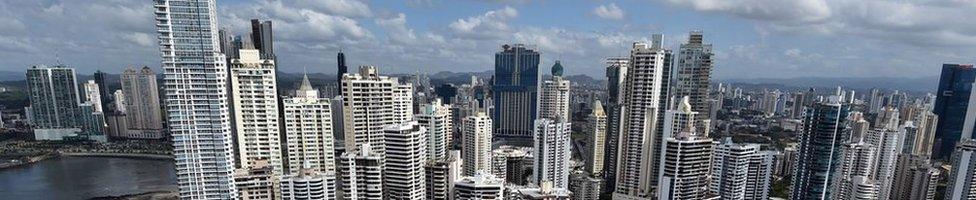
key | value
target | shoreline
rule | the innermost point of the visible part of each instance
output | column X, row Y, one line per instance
column 35, row 159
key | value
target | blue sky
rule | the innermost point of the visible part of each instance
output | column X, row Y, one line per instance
column 752, row 38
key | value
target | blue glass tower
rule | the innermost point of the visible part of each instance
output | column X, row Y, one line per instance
column 951, row 103
column 819, row 151
column 514, row 91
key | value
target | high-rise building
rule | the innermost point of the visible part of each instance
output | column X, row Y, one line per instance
column 263, row 38
column 308, row 131
column 341, row 68
column 99, row 78
column 371, row 103
column 914, row 178
column 858, row 188
column 256, row 182
column 512, row 164
column 515, row 88
column 481, row 186
column 141, row 100
column 93, row 96
column 741, row 171
column 818, row 155
column 960, row 184
column 596, row 134
column 93, row 124
column 926, row 121
column 195, row 87
column 440, row 175
column 406, row 155
column 554, row 96
column 639, row 142
column 888, row 144
column 616, row 80
column 436, row 118
column 858, row 160
column 309, row 184
column 54, row 98
column 255, row 110
column 552, row 153
column 476, row 144
column 585, row 186
column 693, row 74
column 120, row 102
column 951, row 103
column 685, row 164
column 361, row 174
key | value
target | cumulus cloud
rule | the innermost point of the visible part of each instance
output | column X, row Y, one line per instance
column 610, row 11
column 396, row 29
column 492, row 24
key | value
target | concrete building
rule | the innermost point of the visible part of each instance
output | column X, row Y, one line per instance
column 441, row 174
column 543, row 192
column 54, row 99
column 889, row 143
column 406, row 156
column 642, row 103
column 141, row 102
column 476, row 144
column 741, row 171
column 196, row 98
column 436, row 118
column 596, row 135
column 552, row 153
column 257, row 182
column 481, row 186
column 93, row 96
column 693, row 72
column 361, row 174
column 371, row 103
column 915, row 178
column 515, row 88
column 308, row 131
column 585, row 186
column 309, row 184
column 554, row 96
column 254, row 97
column 512, row 164
column 685, row 163
column 859, row 188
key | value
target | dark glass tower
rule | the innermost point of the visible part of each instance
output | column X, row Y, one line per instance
column 514, row 89
column 262, row 38
column 951, row 103
column 100, row 80
column 819, row 151
column 341, row 68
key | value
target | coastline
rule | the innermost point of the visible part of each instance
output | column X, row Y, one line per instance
column 38, row 158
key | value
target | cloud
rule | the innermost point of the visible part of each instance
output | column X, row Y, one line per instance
column 397, row 31
column 141, row 39
column 492, row 24
column 610, row 11
column 345, row 8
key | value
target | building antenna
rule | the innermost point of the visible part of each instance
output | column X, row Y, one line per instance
column 57, row 57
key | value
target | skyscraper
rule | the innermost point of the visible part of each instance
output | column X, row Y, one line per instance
column 142, row 102
column 642, row 100
column 93, row 95
column 961, row 184
column 616, row 77
column 54, row 98
column 515, row 86
column 263, row 38
column 741, row 171
column 341, row 68
column 693, row 74
column 195, row 82
column 554, row 96
column 951, row 103
column 440, row 175
column 361, row 174
column 255, row 107
column 888, row 144
column 481, row 186
column 552, row 153
column 915, row 178
column 371, row 103
column 99, row 78
column 821, row 138
column 308, row 184
column 596, row 134
column 476, row 144
column 436, row 118
column 685, row 165
column 308, row 131
column 406, row 156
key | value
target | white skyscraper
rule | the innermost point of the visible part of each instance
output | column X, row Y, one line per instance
column 888, row 144
column 741, row 171
column 195, row 82
column 120, row 101
column 308, row 131
column 476, row 144
column 961, row 182
column 639, row 140
column 858, row 188
column 693, row 74
column 554, row 96
column 255, row 107
column 436, row 118
column 685, row 164
column 481, row 186
column 857, row 160
column 361, row 174
column 93, row 95
column 406, row 155
column 552, row 153
column 596, row 134
column 371, row 103
column 441, row 175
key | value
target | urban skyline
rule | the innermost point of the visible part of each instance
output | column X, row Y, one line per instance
column 231, row 128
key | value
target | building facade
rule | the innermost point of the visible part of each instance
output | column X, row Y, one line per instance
column 308, row 131
column 476, row 144
column 515, row 90
column 406, row 156
column 254, row 97
column 371, row 103
column 951, row 104
column 818, row 155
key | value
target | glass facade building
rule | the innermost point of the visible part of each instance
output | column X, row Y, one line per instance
column 515, row 88
column 951, row 103
column 819, row 151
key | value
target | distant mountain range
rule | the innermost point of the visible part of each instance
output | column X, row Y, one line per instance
column 923, row 84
